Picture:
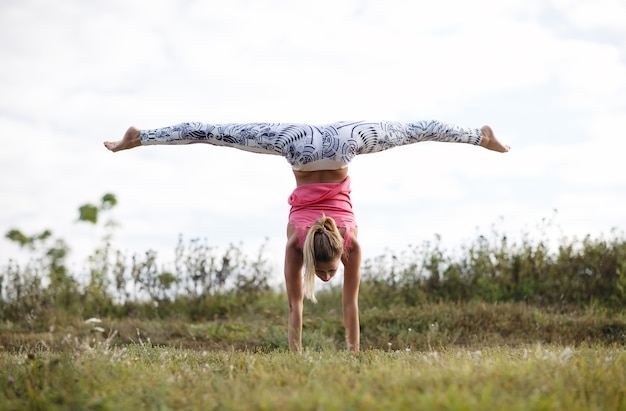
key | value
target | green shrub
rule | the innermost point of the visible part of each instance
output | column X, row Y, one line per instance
column 211, row 283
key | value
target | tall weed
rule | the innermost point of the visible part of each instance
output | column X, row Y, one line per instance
column 207, row 282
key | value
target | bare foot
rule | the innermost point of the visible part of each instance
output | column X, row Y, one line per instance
column 131, row 139
column 490, row 142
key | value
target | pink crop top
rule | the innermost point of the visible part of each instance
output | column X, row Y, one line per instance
column 309, row 202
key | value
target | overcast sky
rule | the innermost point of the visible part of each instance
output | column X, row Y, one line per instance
column 548, row 75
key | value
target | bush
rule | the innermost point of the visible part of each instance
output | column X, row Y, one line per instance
column 208, row 283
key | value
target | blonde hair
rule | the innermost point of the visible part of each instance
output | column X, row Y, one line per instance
column 323, row 243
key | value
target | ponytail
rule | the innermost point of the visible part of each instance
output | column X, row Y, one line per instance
column 323, row 243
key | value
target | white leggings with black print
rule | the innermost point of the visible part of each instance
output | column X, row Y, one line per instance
column 313, row 147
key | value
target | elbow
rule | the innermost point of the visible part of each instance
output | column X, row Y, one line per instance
column 295, row 306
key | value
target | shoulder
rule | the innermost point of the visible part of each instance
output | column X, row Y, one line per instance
column 293, row 241
column 354, row 242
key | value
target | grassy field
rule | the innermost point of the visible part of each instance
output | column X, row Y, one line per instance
column 439, row 356
column 496, row 325
column 141, row 376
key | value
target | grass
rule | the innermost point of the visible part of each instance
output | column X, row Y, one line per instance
column 435, row 356
column 141, row 376
column 263, row 327
column 500, row 326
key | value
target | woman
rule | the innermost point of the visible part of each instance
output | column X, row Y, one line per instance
column 322, row 230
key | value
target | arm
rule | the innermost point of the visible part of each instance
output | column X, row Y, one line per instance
column 350, row 300
column 293, row 281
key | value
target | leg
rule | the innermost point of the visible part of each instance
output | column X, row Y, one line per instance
column 266, row 138
column 374, row 137
column 302, row 144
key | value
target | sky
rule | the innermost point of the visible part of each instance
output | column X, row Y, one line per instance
column 548, row 75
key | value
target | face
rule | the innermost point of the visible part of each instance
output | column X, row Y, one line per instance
column 327, row 270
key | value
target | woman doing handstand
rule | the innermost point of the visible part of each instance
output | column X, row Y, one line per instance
column 322, row 230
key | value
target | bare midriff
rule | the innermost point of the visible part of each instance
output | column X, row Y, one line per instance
column 320, row 176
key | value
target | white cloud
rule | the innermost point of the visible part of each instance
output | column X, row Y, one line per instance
column 601, row 14
column 76, row 73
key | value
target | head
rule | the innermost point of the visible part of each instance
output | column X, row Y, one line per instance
column 323, row 247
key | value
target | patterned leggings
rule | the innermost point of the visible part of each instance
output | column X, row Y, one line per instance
column 312, row 147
